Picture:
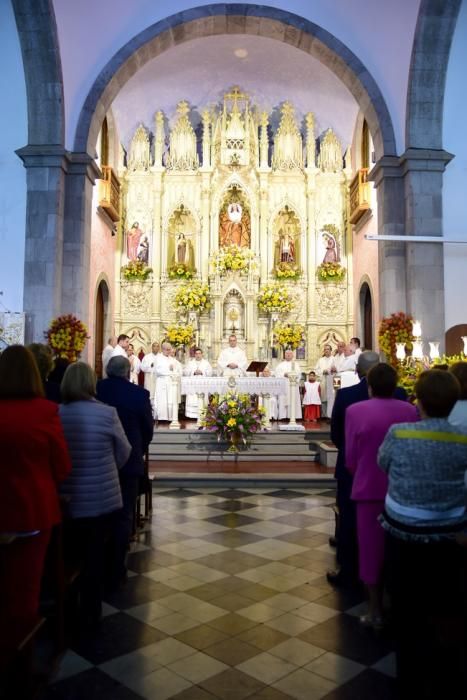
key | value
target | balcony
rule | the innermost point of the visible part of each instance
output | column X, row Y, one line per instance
column 109, row 193
column 359, row 195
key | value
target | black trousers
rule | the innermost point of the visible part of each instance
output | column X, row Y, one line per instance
column 427, row 585
column 124, row 524
column 347, row 547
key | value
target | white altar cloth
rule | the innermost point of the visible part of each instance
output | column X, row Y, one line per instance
column 274, row 386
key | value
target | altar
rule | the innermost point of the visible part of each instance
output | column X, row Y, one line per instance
column 235, row 221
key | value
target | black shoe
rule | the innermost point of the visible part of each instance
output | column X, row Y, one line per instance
column 333, row 542
column 340, row 580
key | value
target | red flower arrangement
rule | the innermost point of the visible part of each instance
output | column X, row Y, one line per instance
column 396, row 328
column 67, row 336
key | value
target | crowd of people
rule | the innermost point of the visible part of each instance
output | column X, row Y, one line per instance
column 401, row 499
column 76, row 458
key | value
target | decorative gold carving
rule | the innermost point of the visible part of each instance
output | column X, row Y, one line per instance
column 331, row 300
column 310, row 140
column 182, row 149
column 359, row 195
column 330, row 154
column 109, row 193
column 139, row 150
column 287, row 142
column 136, row 299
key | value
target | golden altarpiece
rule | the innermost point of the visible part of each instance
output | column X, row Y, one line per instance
column 235, row 181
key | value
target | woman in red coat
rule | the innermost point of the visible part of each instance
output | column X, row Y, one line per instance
column 33, row 460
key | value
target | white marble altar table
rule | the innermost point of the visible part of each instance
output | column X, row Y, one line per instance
column 274, row 386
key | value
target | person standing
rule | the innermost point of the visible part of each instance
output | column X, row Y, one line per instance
column 107, row 353
column 34, row 459
column 165, row 368
column 196, row 367
column 325, row 374
column 134, row 410
column 232, row 360
column 98, row 448
column 121, row 347
column 135, row 364
column 366, row 425
column 312, row 399
column 283, row 369
column 426, row 523
column 148, row 364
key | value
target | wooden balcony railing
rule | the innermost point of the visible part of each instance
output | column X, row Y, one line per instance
column 109, row 194
column 359, row 195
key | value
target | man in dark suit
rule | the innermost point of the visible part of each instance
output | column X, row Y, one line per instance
column 346, row 544
column 134, row 410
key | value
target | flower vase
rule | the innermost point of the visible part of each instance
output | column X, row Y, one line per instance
column 180, row 353
column 235, row 442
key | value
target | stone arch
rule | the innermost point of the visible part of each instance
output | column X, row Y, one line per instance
column 366, row 314
column 430, row 55
column 258, row 20
column 37, row 31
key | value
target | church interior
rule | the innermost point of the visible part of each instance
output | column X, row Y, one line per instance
column 288, row 175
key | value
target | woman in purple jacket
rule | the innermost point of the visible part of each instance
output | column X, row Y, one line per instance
column 366, row 425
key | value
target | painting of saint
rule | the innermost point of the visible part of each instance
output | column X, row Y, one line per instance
column 133, row 238
column 234, row 226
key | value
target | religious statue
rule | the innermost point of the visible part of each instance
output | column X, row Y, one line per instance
column 234, row 226
column 182, row 249
column 285, row 251
column 181, row 226
column 332, row 251
column 143, row 250
column 133, row 238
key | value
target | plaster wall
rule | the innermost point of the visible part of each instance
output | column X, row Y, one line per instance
column 455, row 177
column 13, row 128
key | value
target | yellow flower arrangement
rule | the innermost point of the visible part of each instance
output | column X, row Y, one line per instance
column 274, row 298
column 67, row 337
column 179, row 334
column 180, row 271
column 231, row 257
column 234, row 418
column 289, row 335
column 136, row 270
column 287, row 271
column 330, row 272
column 193, row 296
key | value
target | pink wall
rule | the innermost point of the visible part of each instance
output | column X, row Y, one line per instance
column 365, row 269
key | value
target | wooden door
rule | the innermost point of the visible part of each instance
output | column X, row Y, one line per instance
column 99, row 334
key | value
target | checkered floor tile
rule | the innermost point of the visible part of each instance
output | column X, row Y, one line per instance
column 228, row 599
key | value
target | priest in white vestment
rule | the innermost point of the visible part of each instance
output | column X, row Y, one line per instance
column 348, row 368
column 166, row 366
column 148, row 367
column 135, row 364
column 121, row 347
column 107, row 354
column 325, row 375
column 232, row 360
column 196, row 367
column 339, row 356
column 283, row 369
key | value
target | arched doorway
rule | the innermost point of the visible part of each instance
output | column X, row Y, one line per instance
column 366, row 316
column 100, row 325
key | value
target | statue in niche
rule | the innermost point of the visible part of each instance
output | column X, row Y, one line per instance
column 234, row 224
column 332, row 253
column 133, row 238
column 143, row 250
column 180, row 228
column 289, row 230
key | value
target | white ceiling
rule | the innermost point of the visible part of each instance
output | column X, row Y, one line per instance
column 201, row 70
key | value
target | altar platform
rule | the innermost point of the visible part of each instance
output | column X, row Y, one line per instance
column 190, row 455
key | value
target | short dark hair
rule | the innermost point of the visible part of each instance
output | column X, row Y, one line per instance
column 44, row 359
column 382, row 380
column 197, row 348
column 122, row 336
column 19, row 374
column 437, row 391
column 459, row 370
column 355, row 340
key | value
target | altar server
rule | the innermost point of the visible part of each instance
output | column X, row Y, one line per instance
column 197, row 366
column 232, row 360
column 283, row 369
column 312, row 399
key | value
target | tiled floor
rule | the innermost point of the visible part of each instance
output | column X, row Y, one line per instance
column 227, row 599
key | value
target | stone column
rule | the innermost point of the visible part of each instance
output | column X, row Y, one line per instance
column 391, row 221
column 422, row 170
column 81, row 176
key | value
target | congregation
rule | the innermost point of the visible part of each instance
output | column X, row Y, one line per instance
column 401, row 489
